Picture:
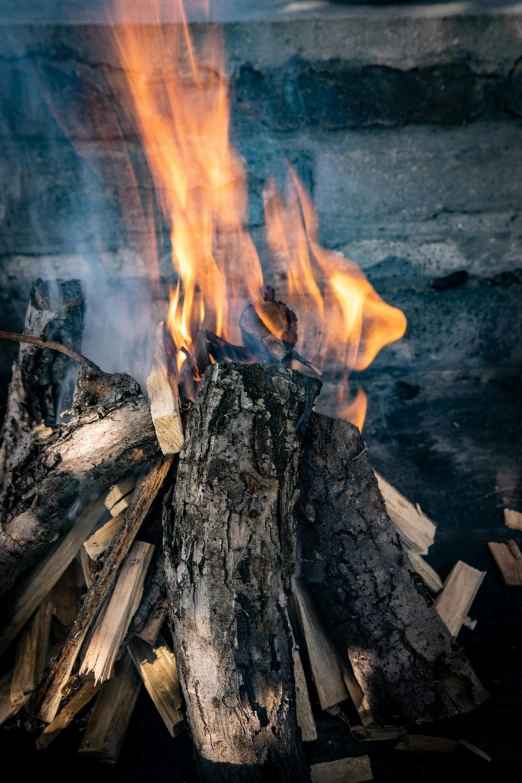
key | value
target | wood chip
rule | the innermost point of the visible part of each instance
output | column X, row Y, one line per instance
column 114, row 620
column 157, row 668
column 355, row 770
column 119, row 492
column 509, row 560
column 25, row 599
column 67, row 714
column 428, row 575
column 460, row 589
column 111, row 714
column 512, row 519
column 412, row 525
column 31, row 653
column 164, row 400
column 421, row 743
column 101, row 540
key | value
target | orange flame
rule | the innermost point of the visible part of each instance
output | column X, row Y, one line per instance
column 180, row 97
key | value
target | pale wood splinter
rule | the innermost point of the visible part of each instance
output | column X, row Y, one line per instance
column 460, row 589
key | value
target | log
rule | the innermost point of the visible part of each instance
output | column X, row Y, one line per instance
column 376, row 611
column 157, row 668
column 110, row 717
column 31, row 653
column 230, row 551
column 57, row 477
column 46, row 700
column 114, row 619
column 37, row 388
column 460, row 589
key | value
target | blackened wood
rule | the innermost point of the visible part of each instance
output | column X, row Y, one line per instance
column 58, row 475
column 38, row 384
column 230, row 549
column 377, row 611
column 47, row 698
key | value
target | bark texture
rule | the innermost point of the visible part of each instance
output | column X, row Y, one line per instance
column 230, row 548
column 39, row 381
column 376, row 608
column 57, row 476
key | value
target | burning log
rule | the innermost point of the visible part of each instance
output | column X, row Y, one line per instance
column 402, row 655
column 55, row 312
column 111, row 715
column 57, row 476
column 113, row 621
column 230, row 548
column 269, row 330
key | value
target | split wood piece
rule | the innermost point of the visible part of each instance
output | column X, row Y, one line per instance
column 67, row 714
column 163, row 393
column 47, row 697
column 7, row 708
column 86, row 567
column 230, row 553
column 38, row 383
column 23, row 601
column 157, row 668
column 353, row 770
column 333, row 680
column 404, row 658
column 111, row 714
column 509, row 560
column 31, row 653
column 305, row 716
column 101, row 540
column 112, row 623
column 376, row 733
column 119, row 496
column 512, row 519
column 428, row 574
column 65, row 597
column 473, row 749
column 56, row 477
column 421, row 743
column 413, row 526
column 460, row 589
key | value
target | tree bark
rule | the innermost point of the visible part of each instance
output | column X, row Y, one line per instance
column 57, row 476
column 376, row 608
column 38, row 385
column 230, row 549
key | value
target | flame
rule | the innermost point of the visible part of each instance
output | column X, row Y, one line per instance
column 179, row 93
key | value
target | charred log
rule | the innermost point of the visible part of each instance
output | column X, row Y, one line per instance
column 38, row 384
column 58, row 474
column 376, row 609
column 230, row 548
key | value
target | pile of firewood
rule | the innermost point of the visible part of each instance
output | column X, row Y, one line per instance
column 267, row 543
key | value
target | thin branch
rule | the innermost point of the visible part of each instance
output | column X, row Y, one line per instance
column 53, row 345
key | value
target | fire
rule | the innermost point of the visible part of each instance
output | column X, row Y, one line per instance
column 183, row 119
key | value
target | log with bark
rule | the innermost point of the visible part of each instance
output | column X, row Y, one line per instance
column 36, row 391
column 377, row 611
column 59, row 473
column 230, row 548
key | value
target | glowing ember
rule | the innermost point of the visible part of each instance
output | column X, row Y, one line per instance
column 183, row 119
